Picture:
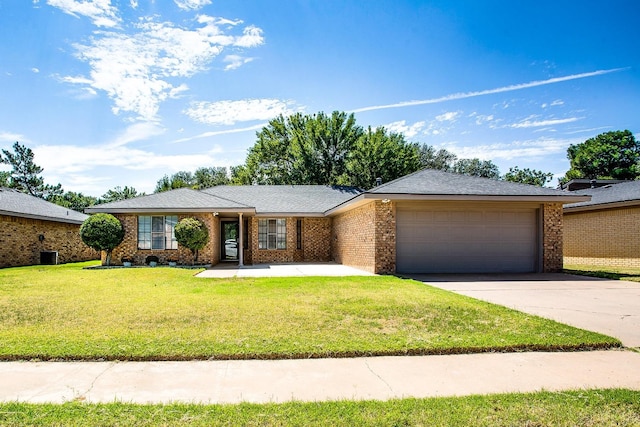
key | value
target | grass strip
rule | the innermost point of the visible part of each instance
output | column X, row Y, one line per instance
column 68, row 313
column 614, row 273
column 575, row 408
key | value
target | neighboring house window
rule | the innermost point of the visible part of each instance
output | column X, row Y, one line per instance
column 272, row 234
column 299, row 234
column 157, row 232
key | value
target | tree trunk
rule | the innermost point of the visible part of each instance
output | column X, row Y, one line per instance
column 108, row 258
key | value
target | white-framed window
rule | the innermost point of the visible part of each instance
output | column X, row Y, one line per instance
column 272, row 233
column 157, row 232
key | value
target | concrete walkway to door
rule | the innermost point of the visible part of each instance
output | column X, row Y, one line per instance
column 611, row 307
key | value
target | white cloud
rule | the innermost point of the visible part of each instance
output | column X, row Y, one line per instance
column 221, row 132
column 409, row 131
column 235, row 61
column 528, row 123
column 12, row 137
column 137, row 70
column 451, row 116
column 231, row 112
column 35, row 70
column 503, row 89
column 192, row 4
column 101, row 12
column 137, row 132
column 527, row 149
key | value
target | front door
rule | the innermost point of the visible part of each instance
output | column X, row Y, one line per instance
column 229, row 241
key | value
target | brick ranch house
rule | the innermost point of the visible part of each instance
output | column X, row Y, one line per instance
column 34, row 231
column 429, row 221
column 604, row 231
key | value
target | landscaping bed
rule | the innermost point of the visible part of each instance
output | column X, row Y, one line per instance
column 66, row 312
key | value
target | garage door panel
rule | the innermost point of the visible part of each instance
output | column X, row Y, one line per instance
column 466, row 240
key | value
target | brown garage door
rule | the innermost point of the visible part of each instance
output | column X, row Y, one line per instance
column 466, row 239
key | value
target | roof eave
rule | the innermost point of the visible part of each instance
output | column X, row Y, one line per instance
column 366, row 197
column 42, row 217
column 290, row 214
column 600, row 206
column 96, row 209
column 564, row 198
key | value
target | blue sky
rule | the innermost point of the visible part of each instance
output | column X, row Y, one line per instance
column 112, row 93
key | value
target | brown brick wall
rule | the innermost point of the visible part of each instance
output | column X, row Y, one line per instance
column 385, row 237
column 210, row 254
column 552, row 238
column 607, row 237
column 19, row 243
column 353, row 238
column 316, row 242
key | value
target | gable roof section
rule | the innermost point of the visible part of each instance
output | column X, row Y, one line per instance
column 309, row 200
column 431, row 184
column 180, row 200
column 15, row 203
column 610, row 196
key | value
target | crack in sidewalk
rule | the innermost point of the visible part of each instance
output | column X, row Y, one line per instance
column 379, row 377
column 83, row 396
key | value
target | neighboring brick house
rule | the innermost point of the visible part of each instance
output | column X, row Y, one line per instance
column 604, row 231
column 429, row 221
column 34, row 231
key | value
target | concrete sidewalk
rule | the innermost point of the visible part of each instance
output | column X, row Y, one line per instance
column 259, row 381
column 282, row 270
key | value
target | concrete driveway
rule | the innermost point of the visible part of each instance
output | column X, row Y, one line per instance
column 611, row 307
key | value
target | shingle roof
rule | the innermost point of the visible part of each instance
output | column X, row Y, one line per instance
column 179, row 200
column 310, row 199
column 615, row 193
column 15, row 203
column 435, row 182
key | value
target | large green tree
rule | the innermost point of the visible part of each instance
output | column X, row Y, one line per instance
column 25, row 174
column 380, row 154
column 528, row 176
column 301, row 149
column 613, row 154
column 477, row 167
column 441, row 159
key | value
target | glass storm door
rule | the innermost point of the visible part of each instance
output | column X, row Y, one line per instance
column 229, row 250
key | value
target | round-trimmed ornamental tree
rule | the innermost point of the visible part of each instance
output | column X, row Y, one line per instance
column 102, row 232
column 193, row 234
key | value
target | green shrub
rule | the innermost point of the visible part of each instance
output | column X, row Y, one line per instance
column 193, row 234
column 102, row 232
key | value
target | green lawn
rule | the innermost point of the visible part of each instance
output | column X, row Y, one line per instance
column 616, row 273
column 577, row 408
column 66, row 312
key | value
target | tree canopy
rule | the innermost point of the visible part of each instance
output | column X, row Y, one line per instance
column 119, row 193
column 528, row 176
column 102, row 232
column 25, row 174
column 334, row 150
column 477, row 167
column 613, row 155
column 201, row 178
